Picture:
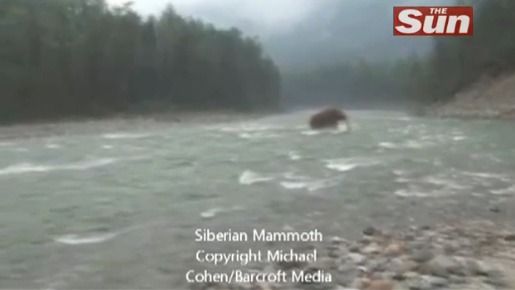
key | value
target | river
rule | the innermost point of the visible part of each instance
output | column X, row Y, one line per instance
column 118, row 209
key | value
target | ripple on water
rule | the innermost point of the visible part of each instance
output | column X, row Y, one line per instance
column 53, row 146
column 412, row 192
column 7, row 144
column 411, row 144
column 293, row 155
column 23, row 168
column 347, row 164
column 311, row 186
column 310, row 132
column 257, row 135
column 246, row 128
column 297, row 182
column 340, row 130
column 213, row 212
column 504, row 191
column 249, row 177
column 84, row 240
column 123, row 135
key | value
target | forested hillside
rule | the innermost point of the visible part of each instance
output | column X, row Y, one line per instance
column 67, row 58
column 458, row 62
column 451, row 65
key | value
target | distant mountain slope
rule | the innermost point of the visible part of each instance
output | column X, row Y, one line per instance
column 343, row 30
column 488, row 98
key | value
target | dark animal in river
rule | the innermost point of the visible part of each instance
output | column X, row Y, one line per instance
column 328, row 118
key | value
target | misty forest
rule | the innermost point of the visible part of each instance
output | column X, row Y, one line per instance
column 62, row 58
column 417, row 73
column 79, row 58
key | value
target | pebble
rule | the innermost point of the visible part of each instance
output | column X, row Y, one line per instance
column 354, row 248
column 344, row 279
column 401, row 266
column 288, row 265
column 334, row 251
column 346, row 267
column 437, row 282
column 457, row 279
column 378, row 265
column 394, row 249
column 495, row 209
column 339, row 287
column 482, row 268
column 441, row 266
column 497, row 281
column 371, row 249
column 358, row 259
column 338, row 241
column 380, row 285
column 510, row 238
column 324, row 263
column 422, row 255
column 419, row 284
column 370, row 231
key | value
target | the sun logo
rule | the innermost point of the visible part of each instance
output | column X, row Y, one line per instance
column 433, row 21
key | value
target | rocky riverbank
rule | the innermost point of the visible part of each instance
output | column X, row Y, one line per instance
column 488, row 98
column 471, row 256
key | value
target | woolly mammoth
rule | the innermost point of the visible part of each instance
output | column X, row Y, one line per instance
column 328, row 118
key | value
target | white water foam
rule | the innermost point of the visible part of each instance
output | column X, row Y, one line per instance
column 296, row 182
column 445, row 182
column 411, row 193
column 342, row 128
column 459, row 138
column 347, row 164
column 122, row 135
column 213, row 212
column 247, row 128
column 95, row 238
column 448, row 185
column 388, row 145
column 22, row 168
column 310, row 132
column 341, row 166
column 249, row 177
column 257, row 135
column 84, row 240
column 293, row 184
column 293, row 155
column 486, row 175
column 53, row 146
column 504, row 191
column 309, row 185
column 412, row 144
column 84, row 165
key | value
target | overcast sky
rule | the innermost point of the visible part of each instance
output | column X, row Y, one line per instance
column 261, row 17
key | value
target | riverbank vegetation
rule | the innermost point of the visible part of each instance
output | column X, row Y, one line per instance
column 82, row 58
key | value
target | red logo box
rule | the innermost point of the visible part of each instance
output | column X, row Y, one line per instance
column 433, row 20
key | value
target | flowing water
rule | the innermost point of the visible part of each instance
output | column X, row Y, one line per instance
column 118, row 210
